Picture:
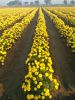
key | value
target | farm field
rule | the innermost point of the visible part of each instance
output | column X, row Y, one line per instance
column 37, row 53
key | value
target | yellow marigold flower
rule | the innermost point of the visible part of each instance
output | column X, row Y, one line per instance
column 47, row 92
column 30, row 96
column 49, row 64
column 56, row 87
column 34, row 69
column 34, row 78
column 2, row 63
column 43, row 97
column 47, row 68
column 42, row 60
column 35, row 82
column 4, row 52
column 30, row 73
column 35, row 61
column 55, row 81
column 39, row 56
column 32, row 63
column 50, row 97
column 35, row 89
column 29, row 64
column 46, row 74
column 51, row 70
column 28, row 88
column 38, row 86
column 40, row 75
column 40, row 83
column 39, row 96
column 26, row 80
column 42, row 68
column 25, row 88
column 45, row 89
column 57, row 84
column 42, row 93
column 36, row 73
column 50, row 77
column 50, row 60
column 37, row 66
column 42, row 64
column 45, row 57
column 36, row 98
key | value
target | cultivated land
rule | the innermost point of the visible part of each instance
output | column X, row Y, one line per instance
column 37, row 53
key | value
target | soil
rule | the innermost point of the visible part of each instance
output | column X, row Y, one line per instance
column 64, row 62
column 12, row 74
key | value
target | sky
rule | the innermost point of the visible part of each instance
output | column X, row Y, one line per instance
column 3, row 2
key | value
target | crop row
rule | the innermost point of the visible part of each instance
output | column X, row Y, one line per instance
column 8, row 12
column 68, row 11
column 67, row 18
column 12, row 34
column 9, row 20
column 65, row 30
column 39, row 82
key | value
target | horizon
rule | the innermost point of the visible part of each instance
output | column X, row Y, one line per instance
column 4, row 2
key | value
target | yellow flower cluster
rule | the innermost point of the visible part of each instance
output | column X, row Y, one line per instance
column 10, row 35
column 8, row 20
column 66, row 17
column 68, row 11
column 39, row 81
column 65, row 30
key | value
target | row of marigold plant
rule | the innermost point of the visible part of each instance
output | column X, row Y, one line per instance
column 9, row 37
column 12, row 18
column 66, row 17
column 63, row 29
column 69, row 11
column 39, row 82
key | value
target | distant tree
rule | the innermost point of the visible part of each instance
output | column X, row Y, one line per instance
column 47, row 2
column 26, row 3
column 11, row 3
column 17, row 1
column 72, row 2
column 65, row 2
column 14, row 3
column 36, row 2
column 31, row 3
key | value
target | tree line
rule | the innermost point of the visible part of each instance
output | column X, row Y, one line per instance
column 36, row 2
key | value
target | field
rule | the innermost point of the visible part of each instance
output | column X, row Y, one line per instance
column 37, row 53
